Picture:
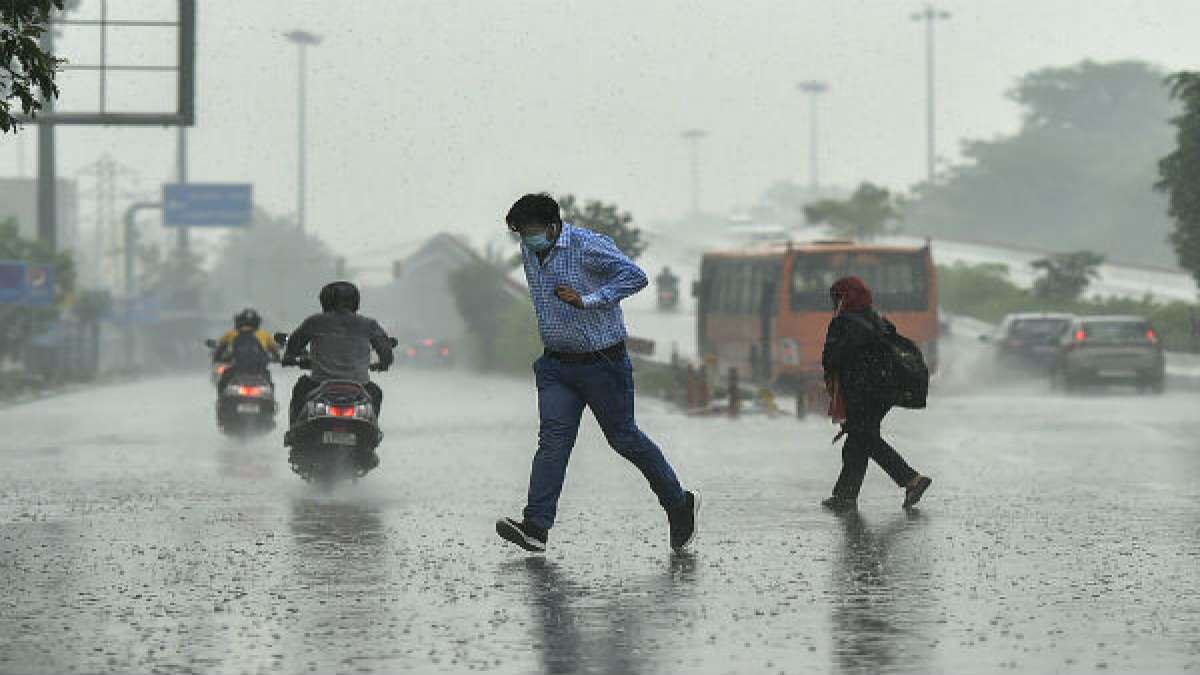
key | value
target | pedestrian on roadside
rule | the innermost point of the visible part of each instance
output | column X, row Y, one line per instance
column 577, row 278
column 861, row 378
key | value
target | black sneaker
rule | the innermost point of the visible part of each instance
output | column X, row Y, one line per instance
column 526, row 535
column 912, row 495
column 683, row 520
column 839, row 504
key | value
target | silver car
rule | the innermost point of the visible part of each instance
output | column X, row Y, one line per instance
column 1110, row 349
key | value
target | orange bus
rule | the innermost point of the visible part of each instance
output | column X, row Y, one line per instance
column 764, row 311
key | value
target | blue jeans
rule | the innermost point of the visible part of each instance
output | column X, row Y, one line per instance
column 607, row 388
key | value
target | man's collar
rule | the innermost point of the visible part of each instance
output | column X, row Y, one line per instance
column 564, row 236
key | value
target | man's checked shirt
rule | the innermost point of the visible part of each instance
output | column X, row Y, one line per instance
column 591, row 264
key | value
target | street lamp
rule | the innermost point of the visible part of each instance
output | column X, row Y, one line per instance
column 304, row 40
column 814, row 89
column 693, row 136
column 929, row 15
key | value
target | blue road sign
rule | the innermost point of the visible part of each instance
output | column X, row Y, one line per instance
column 40, row 286
column 22, row 283
column 14, row 277
column 208, row 204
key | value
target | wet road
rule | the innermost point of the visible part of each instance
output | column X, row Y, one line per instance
column 1061, row 534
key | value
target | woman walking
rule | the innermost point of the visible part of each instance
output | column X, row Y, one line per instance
column 861, row 379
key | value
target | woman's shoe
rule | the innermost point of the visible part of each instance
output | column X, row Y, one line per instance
column 839, row 504
column 912, row 493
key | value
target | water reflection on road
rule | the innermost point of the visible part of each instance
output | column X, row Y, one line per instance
column 605, row 625
column 883, row 605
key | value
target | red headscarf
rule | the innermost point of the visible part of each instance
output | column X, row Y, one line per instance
column 851, row 294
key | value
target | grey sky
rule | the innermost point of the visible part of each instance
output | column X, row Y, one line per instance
column 434, row 114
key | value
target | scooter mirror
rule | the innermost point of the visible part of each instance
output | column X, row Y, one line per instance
column 210, row 343
column 394, row 342
column 281, row 338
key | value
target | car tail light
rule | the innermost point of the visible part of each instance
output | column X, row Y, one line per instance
column 445, row 351
column 412, row 351
column 428, row 342
column 1152, row 336
column 222, row 368
column 244, row 390
column 341, row 410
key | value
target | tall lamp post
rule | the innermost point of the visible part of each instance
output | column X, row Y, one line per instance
column 814, row 89
column 693, row 136
column 304, row 40
column 930, row 15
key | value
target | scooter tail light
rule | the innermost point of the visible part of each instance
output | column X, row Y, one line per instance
column 341, row 410
column 1152, row 336
column 1080, row 335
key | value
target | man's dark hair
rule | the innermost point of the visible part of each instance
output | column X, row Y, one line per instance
column 539, row 209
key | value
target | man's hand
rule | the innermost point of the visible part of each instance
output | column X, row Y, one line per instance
column 570, row 296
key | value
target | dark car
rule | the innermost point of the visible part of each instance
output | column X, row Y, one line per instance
column 1110, row 349
column 426, row 352
column 1030, row 341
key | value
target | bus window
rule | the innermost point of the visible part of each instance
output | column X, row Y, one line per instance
column 898, row 280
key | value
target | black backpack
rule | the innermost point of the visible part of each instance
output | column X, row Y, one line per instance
column 909, row 369
column 248, row 353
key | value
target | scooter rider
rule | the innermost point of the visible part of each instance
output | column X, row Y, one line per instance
column 247, row 348
column 340, row 342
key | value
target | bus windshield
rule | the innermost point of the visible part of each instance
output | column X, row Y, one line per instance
column 899, row 280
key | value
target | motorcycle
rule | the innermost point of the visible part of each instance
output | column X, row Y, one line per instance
column 336, row 432
column 245, row 401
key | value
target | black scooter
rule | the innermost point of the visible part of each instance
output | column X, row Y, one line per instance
column 245, row 401
column 335, row 435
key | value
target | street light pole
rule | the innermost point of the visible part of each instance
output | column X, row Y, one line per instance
column 693, row 136
column 929, row 15
column 814, row 89
column 303, row 40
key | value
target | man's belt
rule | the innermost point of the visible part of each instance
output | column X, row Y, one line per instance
column 613, row 353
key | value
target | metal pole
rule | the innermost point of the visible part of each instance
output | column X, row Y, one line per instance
column 47, row 219
column 21, row 155
column 300, row 155
column 930, row 144
column 130, row 280
column 813, row 88
column 930, row 15
column 181, row 171
column 695, row 161
column 814, row 176
column 693, row 136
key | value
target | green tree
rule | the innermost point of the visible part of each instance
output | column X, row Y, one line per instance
column 606, row 219
column 1179, row 173
column 1066, row 276
column 273, row 267
column 863, row 215
column 176, row 277
column 1081, row 169
column 27, row 71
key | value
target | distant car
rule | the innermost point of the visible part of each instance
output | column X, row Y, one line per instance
column 1030, row 340
column 427, row 352
column 1110, row 349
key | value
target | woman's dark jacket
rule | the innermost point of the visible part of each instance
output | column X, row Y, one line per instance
column 861, row 362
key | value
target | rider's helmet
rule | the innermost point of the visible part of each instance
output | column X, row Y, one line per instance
column 247, row 317
column 339, row 295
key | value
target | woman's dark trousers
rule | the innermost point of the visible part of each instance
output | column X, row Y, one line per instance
column 862, row 442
